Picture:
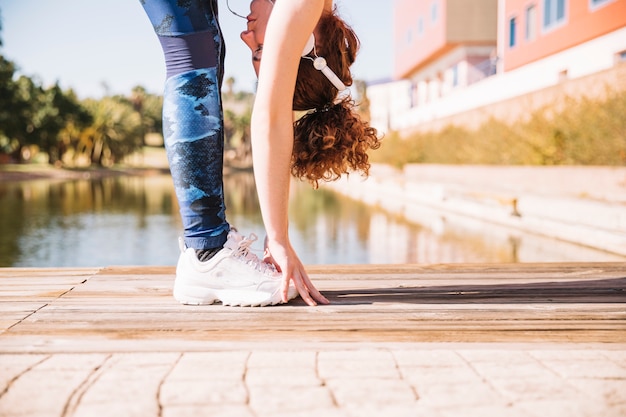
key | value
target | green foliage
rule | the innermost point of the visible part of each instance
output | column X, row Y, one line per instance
column 53, row 111
column 14, row 108
column 150, row 109
column 363, row 101
column 34, row 119
column 33, row 116
column 237, row 115
column 69, row 131
column 116, row 131
column 573, row 132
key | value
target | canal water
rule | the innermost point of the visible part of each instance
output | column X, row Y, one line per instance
column 133, row 220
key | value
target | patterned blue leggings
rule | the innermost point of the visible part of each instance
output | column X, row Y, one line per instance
column 193, row 123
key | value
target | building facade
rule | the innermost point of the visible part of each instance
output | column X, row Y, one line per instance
column 441, row 45
column 454, row 56
column 538, row 29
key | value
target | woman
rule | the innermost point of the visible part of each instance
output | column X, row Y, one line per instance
column 329, row 141
column 215, row 262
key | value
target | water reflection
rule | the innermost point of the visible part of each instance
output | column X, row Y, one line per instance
column 86, row 222
column 134, row 221
column 336, row 229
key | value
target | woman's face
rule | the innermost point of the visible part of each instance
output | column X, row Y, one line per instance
column 254, row 36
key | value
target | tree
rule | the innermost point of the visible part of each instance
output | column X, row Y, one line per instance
column 364, row 103
column 150, row 109
column 237, row 134
column 230, row 84
column 54, row 112
column 33, row 118
column 116, row 130
column 14, row 110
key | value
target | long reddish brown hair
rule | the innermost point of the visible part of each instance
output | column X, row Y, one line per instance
column 330, row 139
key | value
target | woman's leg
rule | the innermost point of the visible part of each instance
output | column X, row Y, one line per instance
column 193, row 125
column 216, row 264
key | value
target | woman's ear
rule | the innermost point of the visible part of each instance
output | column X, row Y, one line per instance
column 310, row 45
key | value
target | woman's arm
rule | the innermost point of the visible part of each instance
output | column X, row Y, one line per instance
column 289, row 27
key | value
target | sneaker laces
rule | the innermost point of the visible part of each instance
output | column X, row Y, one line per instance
column 243, row 253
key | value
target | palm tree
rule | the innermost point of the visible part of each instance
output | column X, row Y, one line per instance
column 230, row 84
column 116, row 131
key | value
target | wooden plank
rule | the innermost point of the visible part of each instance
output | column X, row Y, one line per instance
column 59, row 273
column 131, row 307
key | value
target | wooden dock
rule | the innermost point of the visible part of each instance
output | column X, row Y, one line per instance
column 398, row 340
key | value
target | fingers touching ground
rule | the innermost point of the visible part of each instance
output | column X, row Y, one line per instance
column 286, row 261
column 305, row 287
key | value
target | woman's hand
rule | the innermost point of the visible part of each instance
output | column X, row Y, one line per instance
column 284, row 258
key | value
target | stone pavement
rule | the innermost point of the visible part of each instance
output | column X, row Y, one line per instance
column 325, row 380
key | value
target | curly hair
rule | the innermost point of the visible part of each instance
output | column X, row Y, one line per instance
column 330, row 139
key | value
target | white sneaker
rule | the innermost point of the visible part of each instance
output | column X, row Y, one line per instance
column 234, row 276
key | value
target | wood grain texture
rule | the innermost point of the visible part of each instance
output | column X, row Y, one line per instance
column 131, row 308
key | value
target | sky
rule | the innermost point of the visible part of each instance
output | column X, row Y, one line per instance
column 108, row 47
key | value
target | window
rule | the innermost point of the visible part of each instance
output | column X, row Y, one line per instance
column 455, row 75
column 414, row 93
column 620, row 57
column 596, row 4
column 553, row 13
column 531, row 23
column 420, row 26
column 512, row 28
column 434, row 11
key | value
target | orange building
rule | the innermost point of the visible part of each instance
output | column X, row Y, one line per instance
column 454, row 57
column 442, row 45
column 426, row 30
column 536, row 29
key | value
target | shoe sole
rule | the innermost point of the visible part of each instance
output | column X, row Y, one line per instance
column 233, row 298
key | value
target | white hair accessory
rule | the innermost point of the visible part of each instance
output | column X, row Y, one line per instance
column 319, row 63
